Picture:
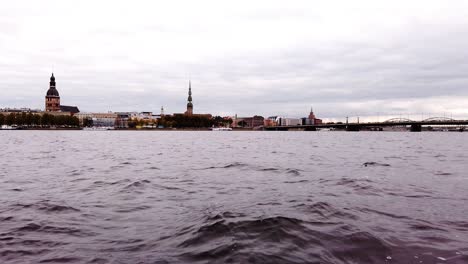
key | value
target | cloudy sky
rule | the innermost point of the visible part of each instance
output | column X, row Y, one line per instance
column 366, row 58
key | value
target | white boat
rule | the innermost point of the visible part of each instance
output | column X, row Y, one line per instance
column 98, row 128
column 6, row 127
column 221, row 129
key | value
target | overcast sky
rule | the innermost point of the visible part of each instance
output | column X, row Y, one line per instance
column 246, row 57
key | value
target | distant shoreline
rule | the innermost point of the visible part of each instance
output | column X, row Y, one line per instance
column 125, row 129
column 203, row 129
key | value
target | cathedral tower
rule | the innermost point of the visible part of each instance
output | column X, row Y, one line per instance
column 52, row 99
column 311, row 115
column 189, row 104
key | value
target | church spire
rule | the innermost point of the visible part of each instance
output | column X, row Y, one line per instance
column 190, row 91
column 311, row 114
column 189, row 103
column 52, row 81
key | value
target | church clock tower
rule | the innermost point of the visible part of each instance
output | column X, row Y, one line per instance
column 52, row 99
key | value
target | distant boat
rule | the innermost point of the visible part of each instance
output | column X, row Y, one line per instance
column 6, row 127
column 221, row 129
column 98, row 128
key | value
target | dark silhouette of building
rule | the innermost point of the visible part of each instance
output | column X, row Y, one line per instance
column 52, row 100
column 189, row 103
column 248, row 122
column 71, row 109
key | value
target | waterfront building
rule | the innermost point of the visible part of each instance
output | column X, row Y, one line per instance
column 312, row 119
column 270, row 121
column 144, row 119
column 248, row 122
column 19, row 110
column 122, row 119
column 147, row 116
column 52, row 100
column 97, row 119
column 286, row 121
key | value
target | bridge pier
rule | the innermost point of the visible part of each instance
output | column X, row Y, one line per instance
column 416, row 128
column 353, row 128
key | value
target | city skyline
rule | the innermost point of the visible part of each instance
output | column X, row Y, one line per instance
column 364, row 58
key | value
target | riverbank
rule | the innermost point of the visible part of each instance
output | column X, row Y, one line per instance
column 126, row 129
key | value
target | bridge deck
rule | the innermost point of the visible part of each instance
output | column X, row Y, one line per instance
column 373, row 124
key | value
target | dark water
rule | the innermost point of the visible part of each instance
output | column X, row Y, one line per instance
column 233, row 197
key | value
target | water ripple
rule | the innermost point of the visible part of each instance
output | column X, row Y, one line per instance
column 240, row 197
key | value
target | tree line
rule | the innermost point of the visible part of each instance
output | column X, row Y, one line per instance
column 182, row 121
column 38, row 120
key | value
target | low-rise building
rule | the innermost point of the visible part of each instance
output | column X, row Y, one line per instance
column 19, row 110
column 97, row 119
column 122, row 119
column 270, row 121
column 248, row 122
column 286, row 121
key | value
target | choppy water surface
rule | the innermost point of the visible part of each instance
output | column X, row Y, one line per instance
column 233, row 197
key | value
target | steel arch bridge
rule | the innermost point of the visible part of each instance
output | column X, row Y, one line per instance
column 398, row 120
column 438, row 119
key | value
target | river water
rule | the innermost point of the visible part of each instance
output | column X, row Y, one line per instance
column 233, row 197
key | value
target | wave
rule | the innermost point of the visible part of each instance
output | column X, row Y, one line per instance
column 35, row 227
column 327, row 212
column 61, row 260
column 47, row 206
column 130, row 209
column 281, row 239
column 293, row 171
column 361, row 186
column 234, row 165
column 227, row 166
column 375, row 164
column 137, row 184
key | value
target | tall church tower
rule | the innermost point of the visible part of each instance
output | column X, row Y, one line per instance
column 311, row 114
column 52, row 99
column 189, row 104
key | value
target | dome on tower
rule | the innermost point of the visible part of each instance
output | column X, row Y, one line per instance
column 52, row 92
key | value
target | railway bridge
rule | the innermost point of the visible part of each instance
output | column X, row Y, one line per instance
column 415, row 126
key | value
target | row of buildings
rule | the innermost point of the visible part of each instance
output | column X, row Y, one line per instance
column 110, row 119
column 259, row 121
column 149, row 119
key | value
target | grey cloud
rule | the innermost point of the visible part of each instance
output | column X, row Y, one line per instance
column 339, row 77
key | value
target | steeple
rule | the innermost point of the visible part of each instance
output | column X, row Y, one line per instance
column 190, row 91
column 52, row 81
column 311, row 114
column 189, row 103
